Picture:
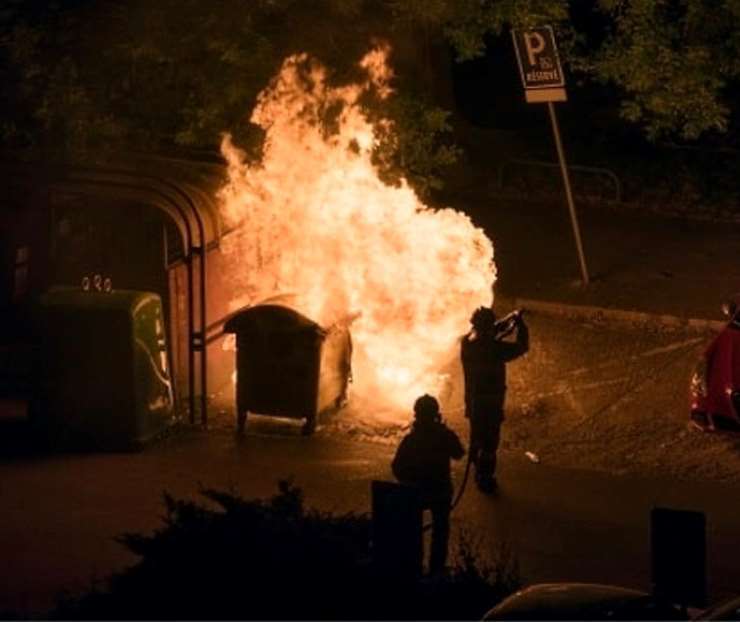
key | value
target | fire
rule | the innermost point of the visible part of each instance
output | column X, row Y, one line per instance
column 312, row 221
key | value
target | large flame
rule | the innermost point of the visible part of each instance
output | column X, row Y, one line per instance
column 314, row 221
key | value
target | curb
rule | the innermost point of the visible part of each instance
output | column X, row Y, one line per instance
column 618, row 315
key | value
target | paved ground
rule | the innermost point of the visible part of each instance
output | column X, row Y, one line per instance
column 60, row 514
column 597, row 395
column 637, row 262
column 606, row 398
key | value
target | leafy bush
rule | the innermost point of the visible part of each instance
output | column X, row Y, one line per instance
column 232, row 558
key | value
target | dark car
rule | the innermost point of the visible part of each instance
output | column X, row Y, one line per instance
column 582, row 601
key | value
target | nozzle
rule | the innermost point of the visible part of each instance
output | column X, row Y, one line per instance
column 508, row 323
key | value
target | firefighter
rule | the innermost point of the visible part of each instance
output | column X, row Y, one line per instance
column 423, row 460
column 484, row 354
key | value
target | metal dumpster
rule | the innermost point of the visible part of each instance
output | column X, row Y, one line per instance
column 102, row 374
column 287, row 365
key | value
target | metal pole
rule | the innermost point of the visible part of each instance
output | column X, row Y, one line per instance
column 191, row 335
column 568, row 193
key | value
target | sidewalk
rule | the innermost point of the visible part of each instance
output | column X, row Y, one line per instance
column 643, row 263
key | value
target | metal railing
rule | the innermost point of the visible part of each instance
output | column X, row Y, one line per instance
column 603, row 172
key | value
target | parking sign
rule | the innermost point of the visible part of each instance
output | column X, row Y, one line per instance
column 543, row 80
column 539, row 64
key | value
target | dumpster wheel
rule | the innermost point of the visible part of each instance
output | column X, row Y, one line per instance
column 309, row 427
column 241, row 422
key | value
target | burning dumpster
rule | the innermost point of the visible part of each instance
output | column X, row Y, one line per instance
column 102, row 375
column 287, row 365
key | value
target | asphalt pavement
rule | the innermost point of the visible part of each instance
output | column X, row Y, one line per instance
column 60, row 514
column 636, row 261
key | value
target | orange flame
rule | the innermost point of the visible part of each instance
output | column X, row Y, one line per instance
column 314, row 221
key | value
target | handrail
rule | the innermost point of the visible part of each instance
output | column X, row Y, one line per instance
column 574, row 167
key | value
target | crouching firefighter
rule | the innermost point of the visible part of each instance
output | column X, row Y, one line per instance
column 484, row 354
column 423, row 460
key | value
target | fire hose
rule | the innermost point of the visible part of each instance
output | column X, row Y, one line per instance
column 461, row 490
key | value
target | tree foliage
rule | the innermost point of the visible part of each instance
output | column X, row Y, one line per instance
column 467, row 23
column 88, row 74
column 674, row 61
column 147, row 75
column 275, row 559
column 413, row 146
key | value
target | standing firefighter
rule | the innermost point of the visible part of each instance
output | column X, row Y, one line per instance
column 423, row 460
column 484, row 355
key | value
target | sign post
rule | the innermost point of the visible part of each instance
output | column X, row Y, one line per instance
column 543, row 80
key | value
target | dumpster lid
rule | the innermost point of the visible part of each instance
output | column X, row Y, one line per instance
column 119, row 299
column 267, row 318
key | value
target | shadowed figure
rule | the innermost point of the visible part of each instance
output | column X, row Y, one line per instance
column 423, row 460
column 484, row 355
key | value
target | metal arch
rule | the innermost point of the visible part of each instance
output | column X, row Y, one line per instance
column 199, row 337
column 138, row 192
column 187, row 168
column 194, row 343
column 180, row 187
column 197, row 175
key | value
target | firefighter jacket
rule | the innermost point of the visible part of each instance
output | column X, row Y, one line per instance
column 423, row 457
column 484, row 359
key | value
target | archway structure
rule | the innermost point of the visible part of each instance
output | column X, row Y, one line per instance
column 185, row 190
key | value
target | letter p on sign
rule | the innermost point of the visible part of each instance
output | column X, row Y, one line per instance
column 535, row 44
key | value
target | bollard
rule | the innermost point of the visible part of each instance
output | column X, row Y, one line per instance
column 398, row 547
column 678, row 548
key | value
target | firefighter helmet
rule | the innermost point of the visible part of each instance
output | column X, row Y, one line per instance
column 426, row 408
column 482, row 318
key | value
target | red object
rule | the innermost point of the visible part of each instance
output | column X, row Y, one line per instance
column 715, row 380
